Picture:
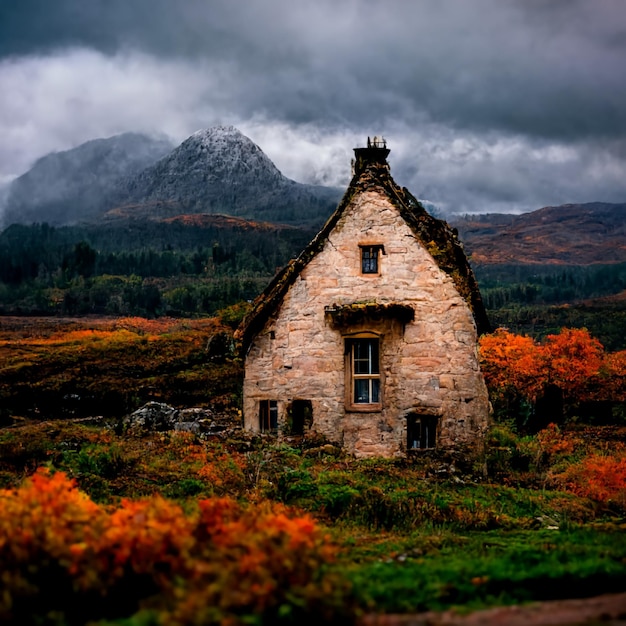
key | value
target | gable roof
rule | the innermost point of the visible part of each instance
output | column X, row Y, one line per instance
column 372, row 173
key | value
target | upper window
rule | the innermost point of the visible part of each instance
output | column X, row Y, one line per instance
column 370, row 258
column 364, row 372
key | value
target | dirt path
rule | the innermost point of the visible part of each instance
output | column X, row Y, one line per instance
column 608, row 610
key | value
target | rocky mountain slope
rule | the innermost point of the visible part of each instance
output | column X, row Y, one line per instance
column 570, row 234
column 217, row 170
column 220, row 170
column 71, row 186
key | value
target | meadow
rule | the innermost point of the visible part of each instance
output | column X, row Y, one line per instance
column 106, row 524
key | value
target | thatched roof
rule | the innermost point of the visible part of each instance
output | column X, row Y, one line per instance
column 372, row 173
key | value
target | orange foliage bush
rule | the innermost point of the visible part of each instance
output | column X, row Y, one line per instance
column 553, row 442
column 574, row 357
column 67, row 559
column 598, row 477
column 573, row 361
column 512, row 361
column 225, row 472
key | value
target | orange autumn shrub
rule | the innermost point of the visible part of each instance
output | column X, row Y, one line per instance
column 553, row 442
column 511, row 361
column 572, row 362
column 274, row 557
column 45, row 526
column 225, row 473
column 67, row 560
column 599, row 477
column 574, row 358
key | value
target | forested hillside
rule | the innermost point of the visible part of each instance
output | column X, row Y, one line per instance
column 538, row 300
column 185, row 266
column 191, row 265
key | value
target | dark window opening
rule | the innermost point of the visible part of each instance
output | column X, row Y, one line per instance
column 369, row 259
column 364, row 371
column 421, row 432
column 301, row 416
column 268, row 416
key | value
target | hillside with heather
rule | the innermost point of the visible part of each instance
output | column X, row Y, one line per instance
column 570, row 234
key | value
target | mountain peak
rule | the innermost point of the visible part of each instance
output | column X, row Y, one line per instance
column 215, row 133
column 220, row 170
column 217, row 157
column 70, row 186
column 215, row 170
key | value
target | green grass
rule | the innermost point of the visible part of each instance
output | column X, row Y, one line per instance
column 411, row 538
column 479, row 569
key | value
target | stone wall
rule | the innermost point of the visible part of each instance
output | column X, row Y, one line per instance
column 429, row 366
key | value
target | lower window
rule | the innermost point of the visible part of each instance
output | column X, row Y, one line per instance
column 301, row 416
column 268, row 416
column 421, row 432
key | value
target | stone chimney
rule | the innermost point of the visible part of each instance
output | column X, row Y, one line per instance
column 375, row 154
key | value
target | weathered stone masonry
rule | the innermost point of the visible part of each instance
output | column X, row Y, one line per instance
column 426, row 388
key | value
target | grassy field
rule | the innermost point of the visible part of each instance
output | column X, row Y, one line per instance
column 324, row 537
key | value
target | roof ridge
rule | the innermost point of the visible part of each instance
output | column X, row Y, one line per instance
column 439, row 239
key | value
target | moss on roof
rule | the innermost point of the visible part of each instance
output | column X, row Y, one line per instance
column 436, row 235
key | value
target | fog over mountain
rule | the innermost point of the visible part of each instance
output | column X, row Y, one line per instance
column 72, row 186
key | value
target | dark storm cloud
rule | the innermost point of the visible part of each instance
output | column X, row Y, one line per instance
column 486, row 103
column 539, row 67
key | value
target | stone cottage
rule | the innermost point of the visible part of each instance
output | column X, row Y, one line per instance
column 369, row 337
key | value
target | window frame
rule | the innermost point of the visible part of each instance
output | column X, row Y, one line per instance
column 268, row 416
column 374, row 375
column 374, row 250
column 423, row 429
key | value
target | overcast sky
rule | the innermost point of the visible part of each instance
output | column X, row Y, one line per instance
column 487, row 105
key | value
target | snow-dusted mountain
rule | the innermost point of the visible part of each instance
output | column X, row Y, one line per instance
column 70, row 186
column 220, row 170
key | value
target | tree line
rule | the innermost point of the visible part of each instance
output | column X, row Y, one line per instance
column 183, row 269
column 139, row 269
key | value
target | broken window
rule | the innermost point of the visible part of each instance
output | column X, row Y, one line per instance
column 369, row 258
column 421, row 432
column 268, row 416
column 301, row 416
column 364, row 363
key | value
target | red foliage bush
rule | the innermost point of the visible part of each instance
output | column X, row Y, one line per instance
column 67, row 560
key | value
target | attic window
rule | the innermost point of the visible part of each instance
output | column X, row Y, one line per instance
column 369, row 258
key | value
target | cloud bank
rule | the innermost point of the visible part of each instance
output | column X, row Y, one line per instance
column 487, row 105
